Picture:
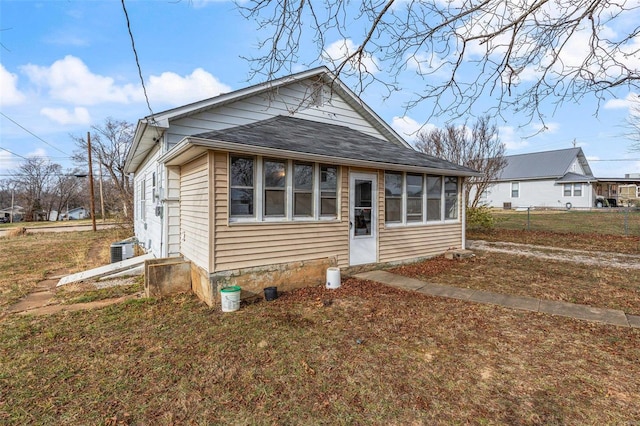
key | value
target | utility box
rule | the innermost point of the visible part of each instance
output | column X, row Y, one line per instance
column 121, row 250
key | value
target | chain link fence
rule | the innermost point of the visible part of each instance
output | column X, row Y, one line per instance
column 621, row 221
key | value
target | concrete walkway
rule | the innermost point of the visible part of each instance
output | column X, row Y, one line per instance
column 572, row 310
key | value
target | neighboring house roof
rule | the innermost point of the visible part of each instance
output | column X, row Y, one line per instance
column 575, row 178
column 150, row 128
column 15, row 209
column 544, row 165
column 313, row 141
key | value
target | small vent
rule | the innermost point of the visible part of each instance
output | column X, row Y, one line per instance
column 506, row 206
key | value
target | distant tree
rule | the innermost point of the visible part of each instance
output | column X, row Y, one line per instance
column 34, row 180
column 521, row 53
column 109, row 145
column 633, row 122
column 478, row 147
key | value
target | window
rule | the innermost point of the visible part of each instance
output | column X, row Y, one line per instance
column 414, row 192
column 242, row 189
column 434, row 198
column 406, row 197
column 268, row 188
column 393, row 197
column 275, row 179
column 577, row 190
column 328, row 190
column 515, row 189
column 303, row 189
column 572, row 190
column 143, row 199
column 450, row 197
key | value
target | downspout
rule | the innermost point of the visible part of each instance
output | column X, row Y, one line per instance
column 464, row 214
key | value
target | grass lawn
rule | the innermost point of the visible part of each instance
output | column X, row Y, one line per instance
column 27, row 259
column 362, row 354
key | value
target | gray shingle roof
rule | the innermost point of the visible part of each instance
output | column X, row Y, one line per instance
column 311, row 137
column 546, row 164
column 575, row 177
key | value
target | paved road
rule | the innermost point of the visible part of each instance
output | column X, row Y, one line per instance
column 63, row 228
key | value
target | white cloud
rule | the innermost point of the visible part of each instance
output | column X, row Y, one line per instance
column 79, row 115
column 8, row 162
column 408, row 128
column 170, row 88
column 338, row 51
column 70, row 80
column 39, row 152
column 9, row 93
column 548, row 127
column 627, row 102
column 510, row 140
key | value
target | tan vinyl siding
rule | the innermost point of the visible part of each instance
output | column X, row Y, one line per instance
column 261, row 107
column 245, row 245
column 414, row 241
column 194, row 211
column 410, row 242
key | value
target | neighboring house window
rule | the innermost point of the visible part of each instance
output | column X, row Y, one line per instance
column 242, row 190
column 414, row 192
column 434, row 198
column 393, row 197
column 328, row 191
column 302, row 189
column 406, row 197
column 286, row 189
column 577, row 190
column 574, row 189
column 515, row 189
column 275, row 188
column 451, row 197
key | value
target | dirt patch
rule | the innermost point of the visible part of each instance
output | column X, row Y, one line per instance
column 593, row 258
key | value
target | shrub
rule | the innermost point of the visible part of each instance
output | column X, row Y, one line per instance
column 480, row 218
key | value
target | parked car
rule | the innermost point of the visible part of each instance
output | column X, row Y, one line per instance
column 4, row 219
column 606, row 202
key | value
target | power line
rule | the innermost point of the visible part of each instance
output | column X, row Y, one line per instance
column 13, row 153
column 31, row 133
column 135, row 53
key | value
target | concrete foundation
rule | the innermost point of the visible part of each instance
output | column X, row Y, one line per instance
column 164, row 277
column 284, row 276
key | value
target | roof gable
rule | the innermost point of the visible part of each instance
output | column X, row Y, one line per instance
column 150, row 128
column 544, row 165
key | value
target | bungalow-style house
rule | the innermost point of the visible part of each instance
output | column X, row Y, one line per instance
column 278, row 181
column 76, row 214
column 552, row 179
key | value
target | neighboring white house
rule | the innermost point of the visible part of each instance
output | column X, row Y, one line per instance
column 75, row 214
column 284, row 179
column 552, row 179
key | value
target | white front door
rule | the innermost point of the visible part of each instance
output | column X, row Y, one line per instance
column 363, row 218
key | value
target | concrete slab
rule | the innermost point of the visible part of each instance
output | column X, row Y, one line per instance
column 634, row 320
column 516, row 302
column 392, row 280
column 101, row 271
column 446, row 291
column 607, row 316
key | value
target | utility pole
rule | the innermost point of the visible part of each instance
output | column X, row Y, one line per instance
column 92, row 200
column 101, row 196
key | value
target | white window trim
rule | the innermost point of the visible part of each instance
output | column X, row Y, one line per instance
column 258, row 185
column 511, row 190
column 425, row 222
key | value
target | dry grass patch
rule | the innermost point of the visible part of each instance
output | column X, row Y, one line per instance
column 601, row 287
column 363, row 354
column 27, row 259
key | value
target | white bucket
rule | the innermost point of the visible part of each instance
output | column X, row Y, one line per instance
column 230, row 298
column 333, row 278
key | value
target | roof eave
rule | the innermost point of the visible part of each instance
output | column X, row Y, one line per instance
column 191, row 147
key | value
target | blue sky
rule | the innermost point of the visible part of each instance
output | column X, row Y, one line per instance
column 68, row 65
